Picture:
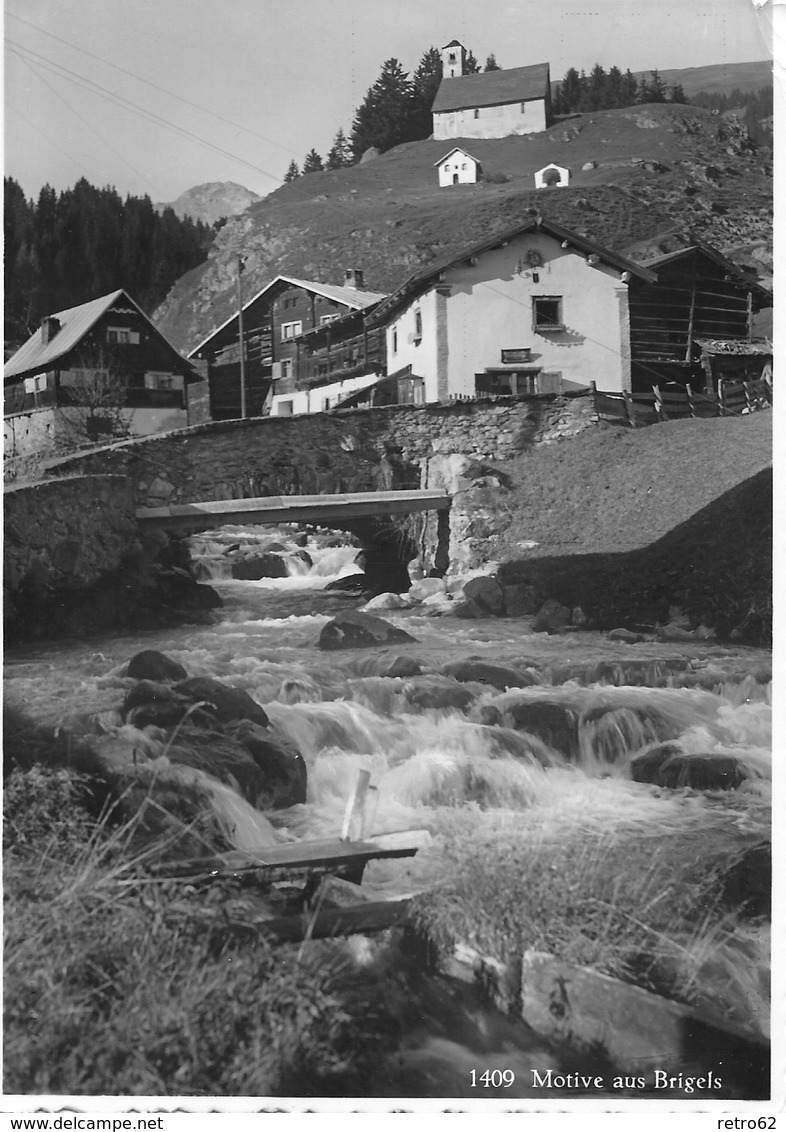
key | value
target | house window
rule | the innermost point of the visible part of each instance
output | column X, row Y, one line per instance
column 418, row 326
column 324, row 319
column 395, row 341
column 452, row 57
column 547, row 313
column 464, row 165
column 35, row 384
column 523, row 108
column 476, row 113
column 285, row 408
column 121, row 336
column 286, row 367
column 159, row 381
column 291, row 330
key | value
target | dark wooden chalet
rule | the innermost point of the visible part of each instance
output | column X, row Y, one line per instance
column 110, row 335
column 275, row 322
column 699, row 295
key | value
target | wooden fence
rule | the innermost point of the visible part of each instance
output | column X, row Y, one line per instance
column 641, row 409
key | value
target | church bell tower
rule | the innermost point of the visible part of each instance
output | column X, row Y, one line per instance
column 453, row 60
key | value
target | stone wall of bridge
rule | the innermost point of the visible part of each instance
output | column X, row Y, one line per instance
column 339, row 451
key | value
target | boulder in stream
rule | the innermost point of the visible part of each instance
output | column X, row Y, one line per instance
column 225, row 704
column 554, row 724
column 351, row 583
column 486, row 594
column 255, row 566
column 478, row 671
column 154, row 665
column 669, row 766
column 356, row 630
column 551, row 617
column 153, row 703
column 387, row 601
column 283, row 767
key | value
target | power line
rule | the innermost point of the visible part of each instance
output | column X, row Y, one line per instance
column 119, row 100
column 89, row 125
column 155, row 86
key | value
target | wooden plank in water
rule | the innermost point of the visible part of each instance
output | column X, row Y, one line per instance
column 322, row 854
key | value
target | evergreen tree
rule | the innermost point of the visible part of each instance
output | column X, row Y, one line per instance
column 313, row 162
column 382, row 120
column 425, row 84
column 471, row 65
column 654, row 90
column 492, row 64
column 676, row 93
column 629, row 89
column 340, row 156
column 66, row 249
column 569, row 93
column 613, row 89
column 292, row 173
column 595, row 95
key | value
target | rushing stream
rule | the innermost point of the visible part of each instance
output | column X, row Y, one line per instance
column 445, row 756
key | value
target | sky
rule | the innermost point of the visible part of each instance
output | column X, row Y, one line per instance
column 156, row 96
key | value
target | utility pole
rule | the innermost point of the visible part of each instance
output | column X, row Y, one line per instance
column 243, row 412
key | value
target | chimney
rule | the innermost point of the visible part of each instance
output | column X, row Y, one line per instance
column 353, row 277
column 49, row 327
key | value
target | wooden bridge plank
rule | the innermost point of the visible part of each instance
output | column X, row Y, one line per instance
column 292, row 508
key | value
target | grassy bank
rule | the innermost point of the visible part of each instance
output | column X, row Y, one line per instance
column 114, row 984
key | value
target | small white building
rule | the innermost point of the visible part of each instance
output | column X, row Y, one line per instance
column 458, row 168
column 493, row 104
column 552, row 176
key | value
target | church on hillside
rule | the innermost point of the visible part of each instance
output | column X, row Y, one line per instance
column 494, row 104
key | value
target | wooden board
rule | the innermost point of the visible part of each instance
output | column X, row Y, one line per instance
column 322, row 854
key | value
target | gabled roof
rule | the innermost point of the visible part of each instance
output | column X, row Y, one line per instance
column 716, row 256
column 36, row 356
column 420, row 280
column 348, row 296
column 493, row 88
column 456, row 149
column 453, row 43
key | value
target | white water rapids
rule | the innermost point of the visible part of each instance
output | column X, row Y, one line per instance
column 442, row 768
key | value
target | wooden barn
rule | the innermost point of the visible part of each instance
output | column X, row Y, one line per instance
column 699, row 296
column 274, row 321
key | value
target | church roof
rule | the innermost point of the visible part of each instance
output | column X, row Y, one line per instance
column 493, row 88
column 453, row 43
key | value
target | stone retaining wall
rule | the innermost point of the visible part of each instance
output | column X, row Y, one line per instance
column 343, row 450
column 65, row 534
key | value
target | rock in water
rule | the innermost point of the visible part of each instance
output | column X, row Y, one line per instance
column 669, row 766
column 154, row 665
column 225, row 704
column 486, row 594
column 404, row 666
column 256, row 566
column 481, row 672
column 355, row 630
column 352, row 583
column 281, row 764
column 387, row 601
column 153, row 703
column 551, row 617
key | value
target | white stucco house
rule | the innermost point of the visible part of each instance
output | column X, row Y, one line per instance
column 458, row 168
column 552, row 176
column 537, row 309
column 494, row 104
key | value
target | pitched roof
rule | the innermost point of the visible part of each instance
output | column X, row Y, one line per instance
column 420, row 280
column 36, row 356
column 456, row 149
column 717, row 257
column 493, row 88
column 453, row 43
column 348, row 296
